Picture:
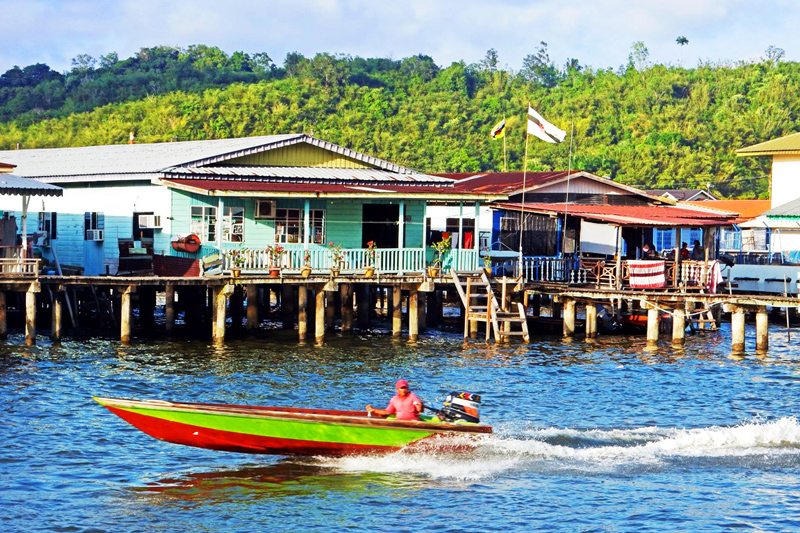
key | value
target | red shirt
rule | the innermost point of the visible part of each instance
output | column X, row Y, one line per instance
column 404, row 407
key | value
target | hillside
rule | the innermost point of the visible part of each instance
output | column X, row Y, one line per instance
column 651, row 126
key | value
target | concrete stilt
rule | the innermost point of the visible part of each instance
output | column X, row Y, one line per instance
column 30, row 317
column 346, row 292
column 330, row 311
column 737, row 329
column 220, row 297
column 591, row 320
column 413, row 314
column 679, row 326
column 652, row 325
column 569, row 318
column 253, row 307
column 3, row 316
column 762, row 329
column 302, row 312
column 125, row 314
column 319, row 326
column 55, row 327
column 397, row 311
column 169, row 307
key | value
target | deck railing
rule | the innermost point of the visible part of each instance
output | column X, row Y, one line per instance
column 387, row 260
column 552, row 269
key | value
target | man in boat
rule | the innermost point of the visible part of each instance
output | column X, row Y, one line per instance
column 405, row 404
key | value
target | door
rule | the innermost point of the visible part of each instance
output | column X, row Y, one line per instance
column 380, row 223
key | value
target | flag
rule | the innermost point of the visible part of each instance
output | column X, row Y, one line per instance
column 539, row 127
column 499, row 130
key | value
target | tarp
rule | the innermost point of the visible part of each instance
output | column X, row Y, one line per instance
column 646, row 274
column 598, row 238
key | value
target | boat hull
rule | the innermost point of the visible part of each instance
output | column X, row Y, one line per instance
column 283, row 431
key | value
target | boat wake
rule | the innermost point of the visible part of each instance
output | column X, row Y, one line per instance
column 512, row 448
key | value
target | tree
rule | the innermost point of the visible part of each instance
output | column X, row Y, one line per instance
column 637, row 59
column 774, row 54
column 490, row 62
column 538, row 68
column 109, row 60
column 83, row 63
column 683, row 41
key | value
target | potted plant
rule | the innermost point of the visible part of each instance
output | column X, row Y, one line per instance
column 440, row 248
column 275, row 255
column 306, row 270
column 337, row 256
column 487, row 261
column 238, row 259
column 369, row 270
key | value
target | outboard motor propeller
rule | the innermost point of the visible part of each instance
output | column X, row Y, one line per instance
column 464, row 406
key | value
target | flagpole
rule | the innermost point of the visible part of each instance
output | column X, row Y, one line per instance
column 566, row 198
column 522, row 215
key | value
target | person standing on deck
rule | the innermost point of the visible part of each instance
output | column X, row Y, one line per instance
column 405, row 403
column 698, row 252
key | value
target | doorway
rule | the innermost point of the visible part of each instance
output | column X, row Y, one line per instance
column 380, row 223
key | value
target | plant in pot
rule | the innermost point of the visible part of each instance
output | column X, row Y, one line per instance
column 440, row 248
column 337, row 256
column 487, row 261
column 369, row 270
column 238, row 259
column 306, row 270
column 275, row 255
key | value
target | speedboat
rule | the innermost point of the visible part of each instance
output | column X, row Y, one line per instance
column 298, row 431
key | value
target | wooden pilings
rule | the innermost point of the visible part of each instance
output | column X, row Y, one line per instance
column 591, row 320
column 569, row 318
column 762, row 329
column 652, row 324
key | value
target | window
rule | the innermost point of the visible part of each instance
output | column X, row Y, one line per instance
column 93, row 224
column 47, row 225
column 289, row 225
column 204, row 222
column 233, row 224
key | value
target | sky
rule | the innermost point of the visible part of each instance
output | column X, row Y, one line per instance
column 598, row 33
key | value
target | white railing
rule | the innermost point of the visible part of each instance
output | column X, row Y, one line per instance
column 19, row 267
column 320, row 258
column 551, row 269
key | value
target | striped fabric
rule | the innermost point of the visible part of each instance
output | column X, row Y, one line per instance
column 646, row 274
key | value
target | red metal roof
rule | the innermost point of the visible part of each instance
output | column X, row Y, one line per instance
column 256, row 186
column 746, row 209
column 502, row 182
column 630, row 215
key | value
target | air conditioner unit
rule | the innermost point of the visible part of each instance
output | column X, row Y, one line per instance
column 149, row 221
column 265, row 209
column 94, row 235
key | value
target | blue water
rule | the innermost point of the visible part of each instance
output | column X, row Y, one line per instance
column 603, row 436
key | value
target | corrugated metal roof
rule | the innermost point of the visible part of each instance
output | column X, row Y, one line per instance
column 512, row 183
column 787, row 210
column 629, row 215
column 123, row 159
column 256, row 187
column 789, row 144
column 306, row 173
column 746, row 209
column 17, row 185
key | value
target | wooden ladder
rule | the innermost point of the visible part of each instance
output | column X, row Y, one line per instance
column 480, row 305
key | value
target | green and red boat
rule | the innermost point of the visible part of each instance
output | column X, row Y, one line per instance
column 297, row 431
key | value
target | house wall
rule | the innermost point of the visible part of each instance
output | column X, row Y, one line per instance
column 298, row 155
column 116, row 202
column 785, row 176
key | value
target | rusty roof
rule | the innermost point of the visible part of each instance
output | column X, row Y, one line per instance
column 629, row 215
column 746, row 209
column 789, row 144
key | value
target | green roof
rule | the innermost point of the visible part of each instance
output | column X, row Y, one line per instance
column 789, row 144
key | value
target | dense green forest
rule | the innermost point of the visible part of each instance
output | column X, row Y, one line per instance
column 648, row 125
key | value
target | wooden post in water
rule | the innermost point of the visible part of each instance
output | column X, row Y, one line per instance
column 423, row 304
column 413, row 314
column 169, row 307
column 591, row 320
column 364, row 305
column 397, row 311
column 55, row 324
column 678, row 326
column 737, row 329
column 3, row 316
column 253, row 307
column 346, row 291
column 287, row 306
column 319, row 325
column 236, row 305
column 220, row 299
column 302, row 312
column 652, row 324
column 762, row 329
column 568, row 328
column 125, row 314
column 330, row 311
column 30, row 317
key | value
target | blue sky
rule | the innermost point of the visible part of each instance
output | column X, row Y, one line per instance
column 598, row 33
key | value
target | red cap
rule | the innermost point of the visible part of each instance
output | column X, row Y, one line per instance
column 401, row 383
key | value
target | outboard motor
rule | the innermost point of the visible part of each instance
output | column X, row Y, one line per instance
column 464, row 406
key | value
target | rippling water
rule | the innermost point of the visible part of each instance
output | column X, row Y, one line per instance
column 602, row 436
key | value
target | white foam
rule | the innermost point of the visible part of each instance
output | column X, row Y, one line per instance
column 589, row 451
